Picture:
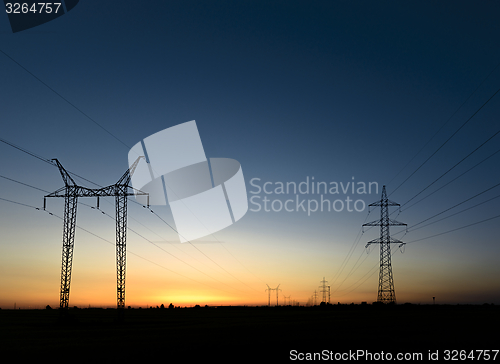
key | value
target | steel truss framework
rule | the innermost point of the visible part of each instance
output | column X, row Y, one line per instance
column 71, row 192
column 269, row 289
column 386, row 293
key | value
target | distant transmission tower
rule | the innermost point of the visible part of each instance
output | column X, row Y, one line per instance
column 269, row 289
column 71, row 191
column 277, row 294
column 315, row 298
column 386, row 293
column 324, row 290
column 285, row 298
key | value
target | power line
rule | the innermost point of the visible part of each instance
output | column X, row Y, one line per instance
column 27, row 152
column 447, row 140
column 148, row 260
column 446, row 122
column 174, row 245
column 459, row 228
column 458, row 204
column 24, row 150
column 454, row 179
column 159, row 247
column 19, row 203
column 353, row 269
column 456, row 213
column 351, row 250
column 111, row 243
column 456, row 164
column 372, row 271
column 194, row 246
column 24, row 184
column 63, row 98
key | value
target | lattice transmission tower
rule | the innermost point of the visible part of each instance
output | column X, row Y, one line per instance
column 325, row 289
column 269, row 289
column 386, row 293
column 71, row 192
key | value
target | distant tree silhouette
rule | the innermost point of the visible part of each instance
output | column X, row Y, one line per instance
column 171, row 306
column 48, row 307
column 162, row 306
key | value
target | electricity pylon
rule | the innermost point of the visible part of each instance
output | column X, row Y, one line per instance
column 386, row 293
column 269, row 289
column 277, row 294
column 71, row 191
column 315, row 298
column 284, row 298
column 324, row 290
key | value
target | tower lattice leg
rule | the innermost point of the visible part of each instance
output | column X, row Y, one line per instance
column 70, row 204
column 386, row 292
column 121, row 249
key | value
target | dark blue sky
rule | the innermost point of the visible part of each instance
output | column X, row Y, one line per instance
column 330, row 89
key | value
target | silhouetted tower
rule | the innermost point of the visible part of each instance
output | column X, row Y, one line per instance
column 285, row 298
column 121, row 192
column 71, row 191
column 269, row 289
column 386, row 293
column 324, row 289
column 315, row 298
column 277, row 294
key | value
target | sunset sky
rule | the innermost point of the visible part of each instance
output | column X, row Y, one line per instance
column 393, row 93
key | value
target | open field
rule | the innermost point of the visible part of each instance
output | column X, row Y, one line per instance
column 247, row 332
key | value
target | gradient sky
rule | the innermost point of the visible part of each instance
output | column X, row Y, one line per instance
column 292, row 90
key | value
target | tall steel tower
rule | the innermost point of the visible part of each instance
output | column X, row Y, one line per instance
column 386, row 293
column 71, row 191
column 269, row 289
column 324, row 289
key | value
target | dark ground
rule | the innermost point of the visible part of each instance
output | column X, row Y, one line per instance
column 246, row 334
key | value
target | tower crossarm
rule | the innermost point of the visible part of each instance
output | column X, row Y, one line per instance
column 389, row 222
column 125, row 179
column 385, row 202
column 379, row 241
